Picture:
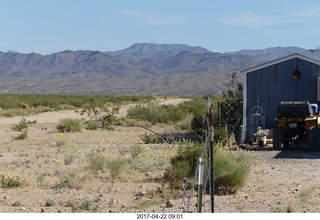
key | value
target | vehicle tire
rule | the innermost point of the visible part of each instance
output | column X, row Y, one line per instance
column 278, row 139
column 313, row 139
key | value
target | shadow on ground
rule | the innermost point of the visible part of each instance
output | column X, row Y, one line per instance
column 294, row 152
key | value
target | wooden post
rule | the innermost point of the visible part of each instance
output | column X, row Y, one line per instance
column 210, row 150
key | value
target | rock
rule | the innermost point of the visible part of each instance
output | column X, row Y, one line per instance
column 169, row 203
column 142, row 193
column 43, row 210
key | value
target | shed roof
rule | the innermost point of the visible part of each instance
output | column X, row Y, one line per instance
column 282, row 59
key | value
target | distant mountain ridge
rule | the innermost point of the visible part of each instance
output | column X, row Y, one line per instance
column 143, row 68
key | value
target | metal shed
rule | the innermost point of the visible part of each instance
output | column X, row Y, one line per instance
column 291, row 78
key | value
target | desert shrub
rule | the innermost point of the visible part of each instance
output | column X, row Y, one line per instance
column 100, row 114
column 198, row 124
column 184, row 164
column 287, row 209
column 69, row 125
column 68, row 180
column 86, row 205
column 230, row 170
column 151, row 158
column 8, row 182
column 69, row 158
column 96, row 162
column 22, row 125
column 128, row 122
column 136, row 150
column 8, row 114
column 305, row 194
column 50, row 202
column 150, row 138
column 155, row 113
column 92, row 125
column 23, row 135
column 17, row 204
column 115, row 166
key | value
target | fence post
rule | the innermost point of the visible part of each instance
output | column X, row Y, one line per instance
column 200, row 184
column 210, row 146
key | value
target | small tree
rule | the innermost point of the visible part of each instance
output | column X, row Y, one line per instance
column 101, row 114
column 235, row 88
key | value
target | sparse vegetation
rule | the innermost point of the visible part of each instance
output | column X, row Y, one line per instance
column 17, row 204
column 115, row 166
column 50, row 202
column 97, row 162
column 86, row 205
column 21, row 126
column 231, row 170
column 305, row 194
column 100, row 113
column 96, row 166
column 69, row 125
column 286, row 209
column 8, row 182
column 23, row 135
column 59, row 102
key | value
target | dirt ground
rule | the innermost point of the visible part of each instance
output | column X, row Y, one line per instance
column 278, row 181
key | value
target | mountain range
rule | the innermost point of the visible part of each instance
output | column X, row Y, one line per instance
column 141, row 69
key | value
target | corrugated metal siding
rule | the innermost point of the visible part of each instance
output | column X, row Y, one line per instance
column 274, row 83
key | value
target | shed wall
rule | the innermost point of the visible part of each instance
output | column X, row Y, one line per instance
column 274, row 83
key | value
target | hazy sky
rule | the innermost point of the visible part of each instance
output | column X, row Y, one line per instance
column 49, row 26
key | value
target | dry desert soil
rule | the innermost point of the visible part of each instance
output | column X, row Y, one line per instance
column 279, row 181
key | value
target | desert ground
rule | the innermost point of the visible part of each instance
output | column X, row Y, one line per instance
column 279, row 181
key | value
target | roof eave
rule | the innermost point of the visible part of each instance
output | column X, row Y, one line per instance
column 282, row 59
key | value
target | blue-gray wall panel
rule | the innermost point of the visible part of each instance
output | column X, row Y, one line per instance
column 275, row 83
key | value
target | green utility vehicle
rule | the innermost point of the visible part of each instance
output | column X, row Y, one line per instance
column 297, row 123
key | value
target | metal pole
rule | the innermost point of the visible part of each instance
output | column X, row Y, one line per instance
column 210, row 142
column 200, row 184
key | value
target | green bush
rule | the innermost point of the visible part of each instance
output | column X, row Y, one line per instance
column 230, row 170
column 155, row 113
column 17, row 204
column 22, row 125
column 184, row 164
column 69, row 125
column 86, row 205
column 23, row 135
column 116, row 167
column 150, row 138
column 49, row 202
column 69, row 180
column 9, row 182
column 136, row 150
column 92, row 125
column 9, row 101
column 100, row 114
column 96, row 162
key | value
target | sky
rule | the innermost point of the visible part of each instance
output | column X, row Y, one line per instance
column 50, row 26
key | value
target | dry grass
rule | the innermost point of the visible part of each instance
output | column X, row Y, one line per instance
column 56, row 167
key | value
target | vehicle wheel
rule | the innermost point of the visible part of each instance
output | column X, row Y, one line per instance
column 313, row 139
column 278, row 139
